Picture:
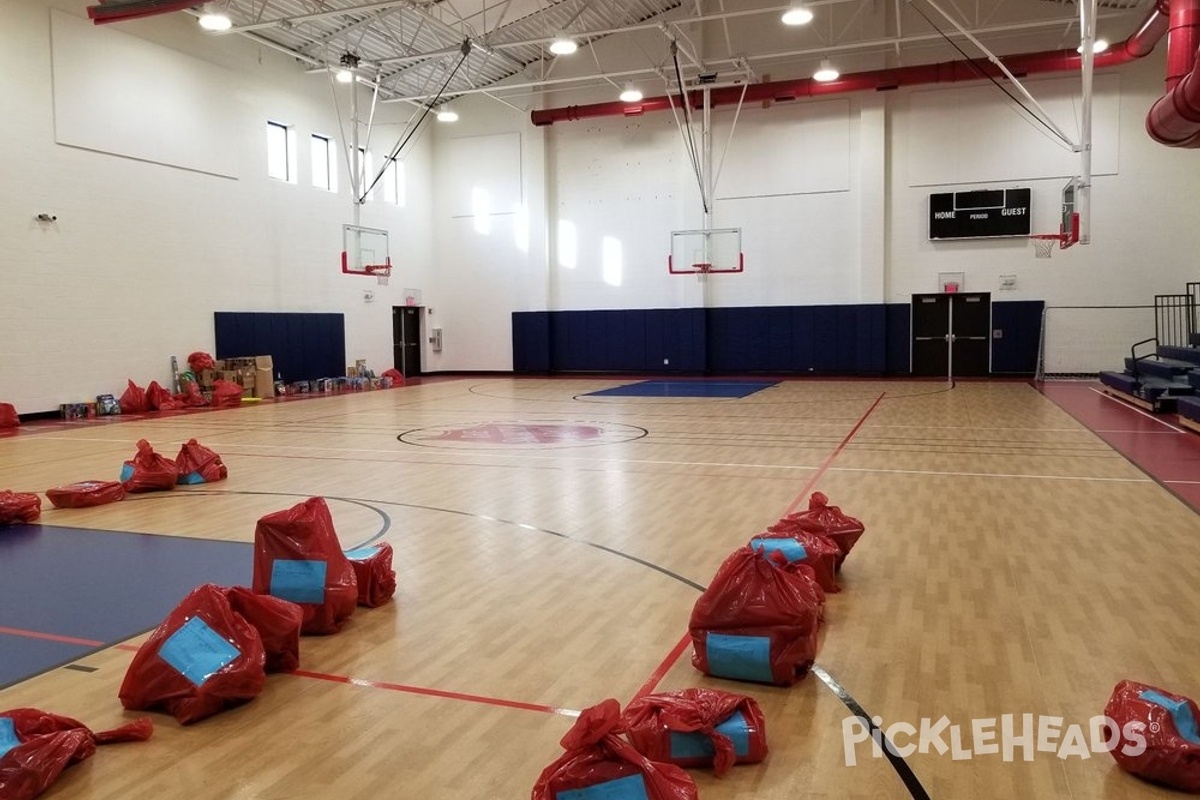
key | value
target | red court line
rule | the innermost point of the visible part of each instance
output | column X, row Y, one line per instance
column 470, row 698
column 51, row 637
column 668, row 662
column 816, row 476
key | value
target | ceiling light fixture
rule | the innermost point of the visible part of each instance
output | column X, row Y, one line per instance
column 563, row 45
column 826, row 72
column 214, row 19
column 447, row 114
column 797, row 15
column 344, row 76
column 631, row 94
column 1098, row 46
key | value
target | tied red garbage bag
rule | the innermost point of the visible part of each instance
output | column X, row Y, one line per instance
column 600, row 764
column 755, row 622
column 297, row 557
column 86, row 494
column 697, row 728
column 821, row 517
column 203, row 658
column 18, row 507
column 8, row 416
column 190, row 397
column 374, row 574
column 798, row 545
column 394, row 374
column 159, row 399
column 133, row 400
column 1165, row 744
column 201, row 361
column 278, row 625
column 36, row 746
column 198, row 464
column 148, row 471
column 226, row 394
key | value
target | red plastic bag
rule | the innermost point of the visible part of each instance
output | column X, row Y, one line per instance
column 159, row 399
column 297, row 557
column 45, row 744
column 394, row 374
column 17, row 507
column 147, row 471
column 199, row 361
column 1157, row 737
column 374, row 574
column 278, row 625
column 755, row 622
column 191, row 396
column 8, row 416
column 198, row 464
column 823, row 518
column 86, row 494
column 133, row 400
column 797, row 544
column 204, row 657
column 597, row 757
column 697, row 728
column 226, row 394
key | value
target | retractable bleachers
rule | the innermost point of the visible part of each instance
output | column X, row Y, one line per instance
column 1166, row 377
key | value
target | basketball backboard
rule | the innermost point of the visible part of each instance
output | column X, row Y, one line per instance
column 365, row 250
column 702, row 252
column 1069, row 226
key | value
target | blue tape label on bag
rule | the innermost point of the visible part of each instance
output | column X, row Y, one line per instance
column 126, row 472
column 631, row 787
column 746, row 658
column 792, row 550
column 8, row 735
column 1180, row 711
column 361, row 553
column 298, row 581
column 190, row 479
column 197, row 652
column 698, row 745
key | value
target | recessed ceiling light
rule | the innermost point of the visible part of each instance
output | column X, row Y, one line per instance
column 631, row 94
column 563, row 46
column 214, row 19
column 447, row 115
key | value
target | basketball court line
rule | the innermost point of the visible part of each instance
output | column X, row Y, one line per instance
column 1136, row 410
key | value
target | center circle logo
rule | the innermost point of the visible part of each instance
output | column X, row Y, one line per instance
column 522, row 435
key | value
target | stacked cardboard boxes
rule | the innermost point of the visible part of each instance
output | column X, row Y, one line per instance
column 255, row 374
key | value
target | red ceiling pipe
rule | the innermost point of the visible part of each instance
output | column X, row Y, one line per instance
column 121, row 11
column 1136, row 46
column 1174, row 119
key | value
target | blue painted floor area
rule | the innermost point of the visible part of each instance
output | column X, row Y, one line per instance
column 102, row 586
column 685, row 389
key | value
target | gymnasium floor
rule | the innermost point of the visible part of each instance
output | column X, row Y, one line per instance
column 551, row 541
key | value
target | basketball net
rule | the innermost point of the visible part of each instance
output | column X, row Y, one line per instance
column 1044, row 244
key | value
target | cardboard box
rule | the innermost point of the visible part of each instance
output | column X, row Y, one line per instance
column 264, row 362
column 264, row 383
column 206, row 377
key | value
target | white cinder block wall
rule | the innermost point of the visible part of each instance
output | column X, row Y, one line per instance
column 831, row 196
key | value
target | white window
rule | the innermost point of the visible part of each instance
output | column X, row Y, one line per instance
column 324, row 163
column 393, row 183
column 366, row 171
column 281, row 155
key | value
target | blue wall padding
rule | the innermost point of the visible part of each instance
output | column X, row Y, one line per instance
column 302, row 346
column 861, row 339
column 698, row 745
column 742, row 657
column 631, row 787
column 791, row 549
column 196, row 651
column 8, row 735
column 298, row 580
column 1020, row 326
column 1180, row 711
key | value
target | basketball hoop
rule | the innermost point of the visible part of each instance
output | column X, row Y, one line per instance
column 382, row 272
column 702, row 267
column 1044, row 243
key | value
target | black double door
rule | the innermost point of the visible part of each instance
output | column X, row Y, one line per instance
column 952, row 334
column 406, row 339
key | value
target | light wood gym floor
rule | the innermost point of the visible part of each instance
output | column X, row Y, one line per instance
column 1013, row 563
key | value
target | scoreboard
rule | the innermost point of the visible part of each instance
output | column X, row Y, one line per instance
column 979, row 214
